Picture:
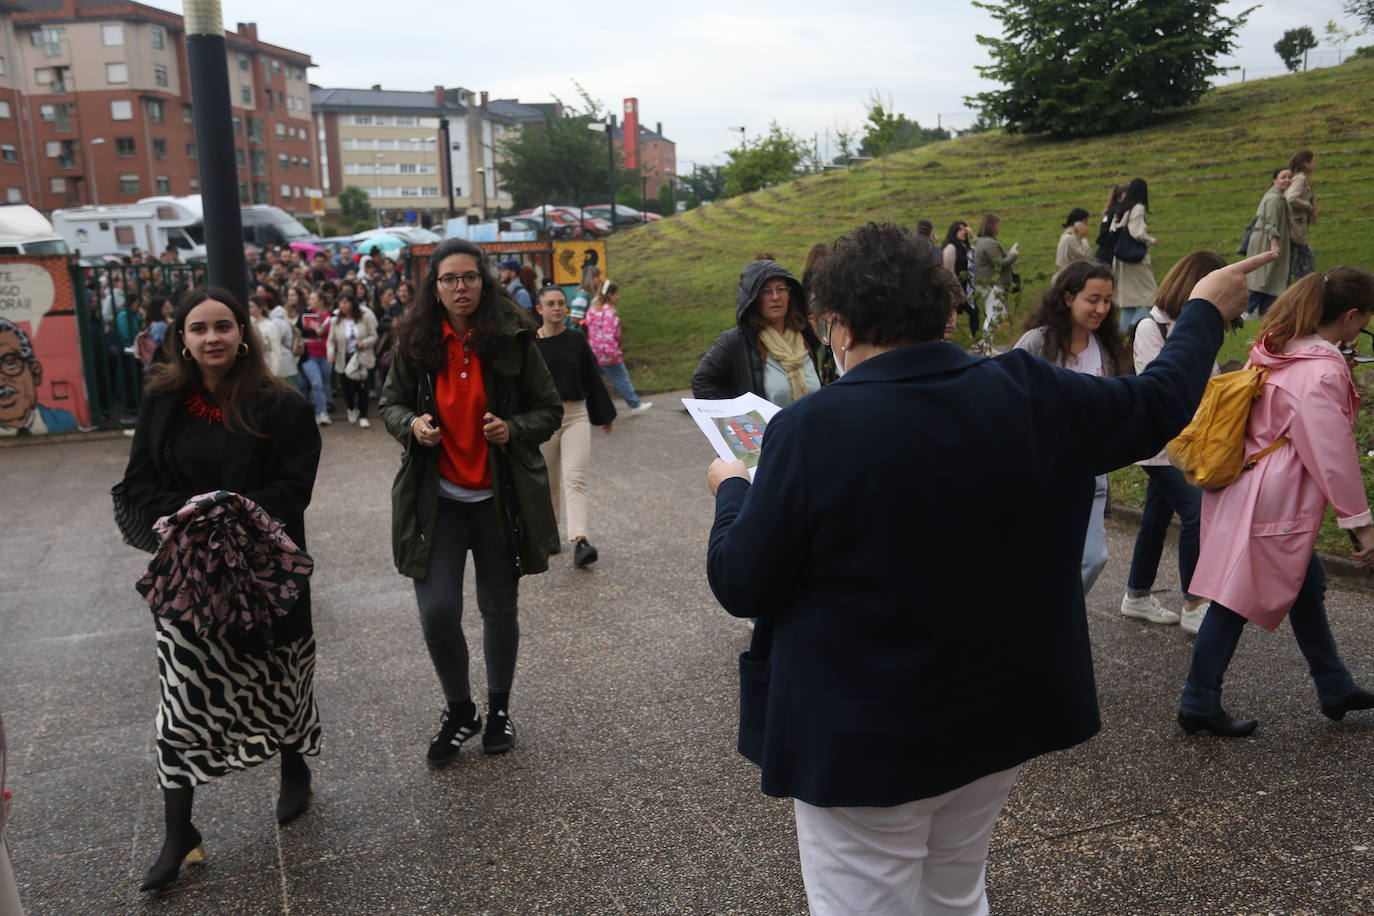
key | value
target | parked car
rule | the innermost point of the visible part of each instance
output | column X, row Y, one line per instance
column 413, row 235
column 624, row 216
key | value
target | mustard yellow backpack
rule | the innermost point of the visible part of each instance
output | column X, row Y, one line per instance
column 1211, row 449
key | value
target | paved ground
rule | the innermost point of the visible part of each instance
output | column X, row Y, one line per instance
column 624, row 794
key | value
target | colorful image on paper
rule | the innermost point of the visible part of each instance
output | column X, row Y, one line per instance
column 744, row 435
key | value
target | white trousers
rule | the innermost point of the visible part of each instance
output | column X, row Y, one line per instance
column 923, row 858
column 568, row 454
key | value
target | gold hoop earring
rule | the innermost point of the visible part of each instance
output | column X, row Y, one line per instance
column 185, row 354
column 243, row 348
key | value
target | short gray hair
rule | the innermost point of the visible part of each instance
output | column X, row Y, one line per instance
column 25, row 344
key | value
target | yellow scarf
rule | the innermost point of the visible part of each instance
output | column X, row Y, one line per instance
column 789, row 349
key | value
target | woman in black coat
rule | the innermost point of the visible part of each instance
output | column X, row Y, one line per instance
column 890, row 700
column 217, row 418
column 772, row 350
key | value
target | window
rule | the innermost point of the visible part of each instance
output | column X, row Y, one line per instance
column 66, row 158
column 281, row 130
column 410, row 192
column 431, row 192
column 262, row 193
column 121, row 110
column 280, row 99
column 295, row 162
column 243, row 62
column 124, row 146
column 191, row 151
column 259, row 162
column 128, row 184
column 286, row 190
column 160, row 75
column 276, row 65
column 246, row 93
column 237, row 125
column 111, row 35
column 159, row 148
column 52, row 149
column 155, row 110
column 2, row 73
column 238, row 157
column 298, row 191
column 195, row 185
column 407, row 121
column 116, row 73
column 164, row 184
column 47, row 112
column 282, row 162
column 157, row 37
column 255, row 130
column 305, row 162
column 124, row 235
column 14, row 195
column 410, row 168
column 187, row 114
column 49, row 39
column 362, row 120
column 43, row 76
column 5, row 109
column 58, row 185
column 243, row 192
column 8, row 153
column 62, row 117
column 267, row 67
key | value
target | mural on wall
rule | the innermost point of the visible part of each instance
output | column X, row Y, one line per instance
column 41, row 381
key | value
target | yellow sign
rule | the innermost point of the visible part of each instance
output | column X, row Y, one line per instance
column 569, row 258
column 317, row 206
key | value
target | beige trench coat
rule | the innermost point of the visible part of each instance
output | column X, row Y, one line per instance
column 1135, row 283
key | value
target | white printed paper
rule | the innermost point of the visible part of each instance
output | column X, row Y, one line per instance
column 734, row 427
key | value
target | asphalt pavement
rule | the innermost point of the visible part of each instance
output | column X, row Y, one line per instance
column 624, row 794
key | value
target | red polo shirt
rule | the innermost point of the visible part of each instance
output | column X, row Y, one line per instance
column 461, row 401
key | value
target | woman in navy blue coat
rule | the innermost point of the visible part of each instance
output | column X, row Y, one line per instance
column 898, row 678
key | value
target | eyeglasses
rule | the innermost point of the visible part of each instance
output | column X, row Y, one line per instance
column 12, row 364
column 450, row 281
column 774, row 291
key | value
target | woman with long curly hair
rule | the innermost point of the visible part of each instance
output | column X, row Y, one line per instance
column 1076, row 327
column 470, row 399
column 217, row 418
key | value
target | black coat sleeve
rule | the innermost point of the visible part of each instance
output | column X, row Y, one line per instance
column 143, row 481
column 297, row 449
column 600, row 408
column 714, row 378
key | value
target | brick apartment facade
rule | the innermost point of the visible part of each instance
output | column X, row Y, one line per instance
column 648, row 150
column 101, row 108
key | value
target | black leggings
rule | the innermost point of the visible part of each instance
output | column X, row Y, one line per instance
column 971, row 307
column 355, row 395
column 461, row 527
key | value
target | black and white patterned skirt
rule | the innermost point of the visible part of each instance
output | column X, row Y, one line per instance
column 223, row 709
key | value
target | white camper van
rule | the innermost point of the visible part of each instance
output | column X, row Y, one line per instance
column 154, row 225
column 23, row 230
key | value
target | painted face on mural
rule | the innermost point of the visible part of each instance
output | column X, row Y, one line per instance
column 19, row 381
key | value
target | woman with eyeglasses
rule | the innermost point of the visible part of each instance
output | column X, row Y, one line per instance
column 772, row 350
column 471, row 400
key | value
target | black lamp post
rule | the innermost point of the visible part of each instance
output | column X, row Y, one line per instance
column 610, row 162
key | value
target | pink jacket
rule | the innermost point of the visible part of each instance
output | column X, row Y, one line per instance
column 1258, row 533
column 603, row 333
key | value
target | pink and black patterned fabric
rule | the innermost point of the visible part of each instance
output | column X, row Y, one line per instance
column 224, row 566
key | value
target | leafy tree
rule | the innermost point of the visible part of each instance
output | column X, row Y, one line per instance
column 764, row 161
column 356, row 208
column 705, row 182
column 667, row 204
column 844, row 139
column 555, row 161
column 1362, row 10
column 1339, row 37
column 1073, row 67
column 889, row 132
column 1293, row 47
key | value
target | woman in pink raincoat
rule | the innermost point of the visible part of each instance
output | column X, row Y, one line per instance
column 1257, row 561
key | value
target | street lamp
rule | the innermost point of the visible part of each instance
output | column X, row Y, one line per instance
column 90, row 167
column 610, row 164
column 741, row 136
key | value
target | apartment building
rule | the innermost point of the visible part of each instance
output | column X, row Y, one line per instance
column 104, row 113
column 390, row 143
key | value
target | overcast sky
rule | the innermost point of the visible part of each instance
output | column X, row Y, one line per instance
column 699, row 68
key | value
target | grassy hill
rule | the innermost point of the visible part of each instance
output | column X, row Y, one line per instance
column 1207, row 167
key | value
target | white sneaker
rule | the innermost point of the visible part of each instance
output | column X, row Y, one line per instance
column 352, row 416
column 1147, row 608
column 319, row 419
column 323, row 419
column 1190, row 621
column 642, row 408
column 363, row 424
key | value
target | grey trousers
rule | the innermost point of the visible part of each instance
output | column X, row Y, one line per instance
column 461, row 527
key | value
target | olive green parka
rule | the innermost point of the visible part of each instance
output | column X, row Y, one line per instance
column 521, row 392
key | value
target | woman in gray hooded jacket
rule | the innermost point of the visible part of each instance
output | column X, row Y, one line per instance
column 772, row 350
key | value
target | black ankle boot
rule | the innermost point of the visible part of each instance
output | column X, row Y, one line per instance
column 1219, row 724
column 1360, row 699
column 295, row 786
column 185, row 849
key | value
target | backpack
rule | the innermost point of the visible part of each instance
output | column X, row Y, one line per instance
column 1211, row 449
column 145, row 348
column 1129, row 369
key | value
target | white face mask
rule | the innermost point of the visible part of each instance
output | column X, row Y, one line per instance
column 837, row 348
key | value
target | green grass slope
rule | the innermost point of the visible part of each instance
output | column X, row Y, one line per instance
column 1207, row 167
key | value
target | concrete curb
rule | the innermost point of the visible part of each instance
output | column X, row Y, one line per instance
column 1338, row 568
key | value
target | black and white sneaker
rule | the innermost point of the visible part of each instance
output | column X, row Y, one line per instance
column 500, row 734
column 584, row 554
column 444, row 749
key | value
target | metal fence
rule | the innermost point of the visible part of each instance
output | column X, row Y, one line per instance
column 114, row 303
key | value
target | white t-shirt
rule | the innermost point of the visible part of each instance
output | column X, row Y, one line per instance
column 1089, row 362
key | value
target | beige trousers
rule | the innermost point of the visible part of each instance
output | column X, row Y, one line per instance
column 568, row 453
column 9, row 894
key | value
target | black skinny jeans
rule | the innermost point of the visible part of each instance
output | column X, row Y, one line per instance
column 461, row 527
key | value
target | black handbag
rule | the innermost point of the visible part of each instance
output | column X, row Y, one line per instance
column 135, row 525
column 1245, row 239
column 1129, row 249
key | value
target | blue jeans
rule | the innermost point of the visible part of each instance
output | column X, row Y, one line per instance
column 1132, row 315
column 1095, row 544
column 620, row 378
column 1168, row 493
column 1220, row 632
column 1260, row 302
column 316, row 371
